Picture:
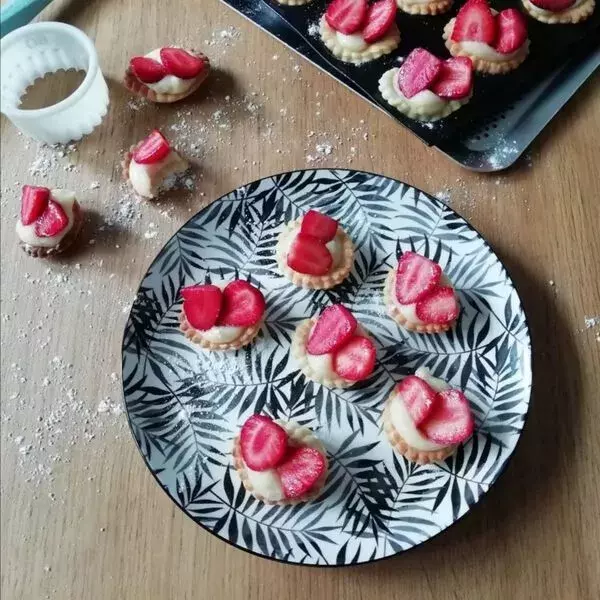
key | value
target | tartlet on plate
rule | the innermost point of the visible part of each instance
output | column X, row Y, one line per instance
column 424, row 7
column 555, row 12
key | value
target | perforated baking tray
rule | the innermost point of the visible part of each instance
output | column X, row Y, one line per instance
column 506, row 113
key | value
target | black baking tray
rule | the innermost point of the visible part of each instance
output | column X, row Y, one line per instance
column 506, row 112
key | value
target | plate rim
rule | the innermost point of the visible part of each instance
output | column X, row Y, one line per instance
column 471, row 508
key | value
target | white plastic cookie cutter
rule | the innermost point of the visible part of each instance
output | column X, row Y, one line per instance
column 35, row 50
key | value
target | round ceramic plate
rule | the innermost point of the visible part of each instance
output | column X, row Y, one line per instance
column 185, row 405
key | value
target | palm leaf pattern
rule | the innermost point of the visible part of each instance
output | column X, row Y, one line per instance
column 185, row 406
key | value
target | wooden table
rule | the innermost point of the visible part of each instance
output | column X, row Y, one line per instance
column 82, row 518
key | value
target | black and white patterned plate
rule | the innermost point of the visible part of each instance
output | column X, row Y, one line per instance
column 185, row 405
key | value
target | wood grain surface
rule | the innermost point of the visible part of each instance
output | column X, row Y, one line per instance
column 81, row 516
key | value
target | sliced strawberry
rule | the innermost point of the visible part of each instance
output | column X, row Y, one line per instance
column 300, row 470
column 242, row 305
column 152, row 149
column 263, row 443
column 512, row 31
column 455, row 80
column 553, row 5
column 380, row 17
column 355, row 360
column 450, row 421
column 180, row 63
column 346, row 16
column 146, row 69
column 418, row 397
column 439, row 308
column 34, row 201
column 335, row 327
column 53, row 220
column 416, row 277
column 319, row 225
column 475, row 23
column 201, row 305
column 309, row 255
column 418, row 72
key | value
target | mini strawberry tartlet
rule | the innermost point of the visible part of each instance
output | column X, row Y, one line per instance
column 496, row 42
column 559, row 11
column 166, row 74
column 334, row 349
column 222, row 317
column 279, row 462
column 419, row 296
column 314, row 252
column 150, row 162
column 427, row 88
column 425, row 419
column 50, row 220
column 424, row 7
column 357, row 32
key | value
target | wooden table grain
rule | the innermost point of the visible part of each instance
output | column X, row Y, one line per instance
column 81, row 516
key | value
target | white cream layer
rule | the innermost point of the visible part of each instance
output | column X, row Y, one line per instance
column 170, row 84
column 425, row 100
column 402, row 421
column 355, row 41
column 27, row 234
column 147, row 179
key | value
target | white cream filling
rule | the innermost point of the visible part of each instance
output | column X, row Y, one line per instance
column 27, row 234
column 335, row 246
column 543, row 11
column 402, row 421
column 266, row 483
column 170, row 84
column 425, row 100
column 146, row 179
column 354, row 42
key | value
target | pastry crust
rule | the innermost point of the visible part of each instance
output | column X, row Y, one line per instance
column 574, row 14
column 135, row 86
column 482, row 65
column 388, row 91
column 435, row 7
column 372, row 52
column 421, row 457
column 64, row 244
column 194, row 336
column 315, row 282
column 297, row 436
column 396, row 314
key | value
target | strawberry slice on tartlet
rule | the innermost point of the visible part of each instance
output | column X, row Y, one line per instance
column 222, row 317
column 50, row 220
column 496, row 42
column 167, row 74
column 314, row 252
column 357, row 32
column 425, row 419
column 334, row 349
column 419, row 296
column 279, row 462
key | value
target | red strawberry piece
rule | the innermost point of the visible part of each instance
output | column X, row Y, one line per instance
column 201, row 305
column 416, row 277
column 439, row 308
column 146, row 69
column 53, row 220
column 34, row 201
column 355, row 360
column 152, row 149
column 180, row 63
column 475, row 23
column 455, row 80
column 309, row 255
column 243, row 305
column 450, row 421
column 346, row 16
column 380, row 17
column 512, row 31
column 319, row 225
column 418, row 72
column 335, row 327
column 418, row 397
column 263, row 443
column 302, row 468
column 553, row 5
